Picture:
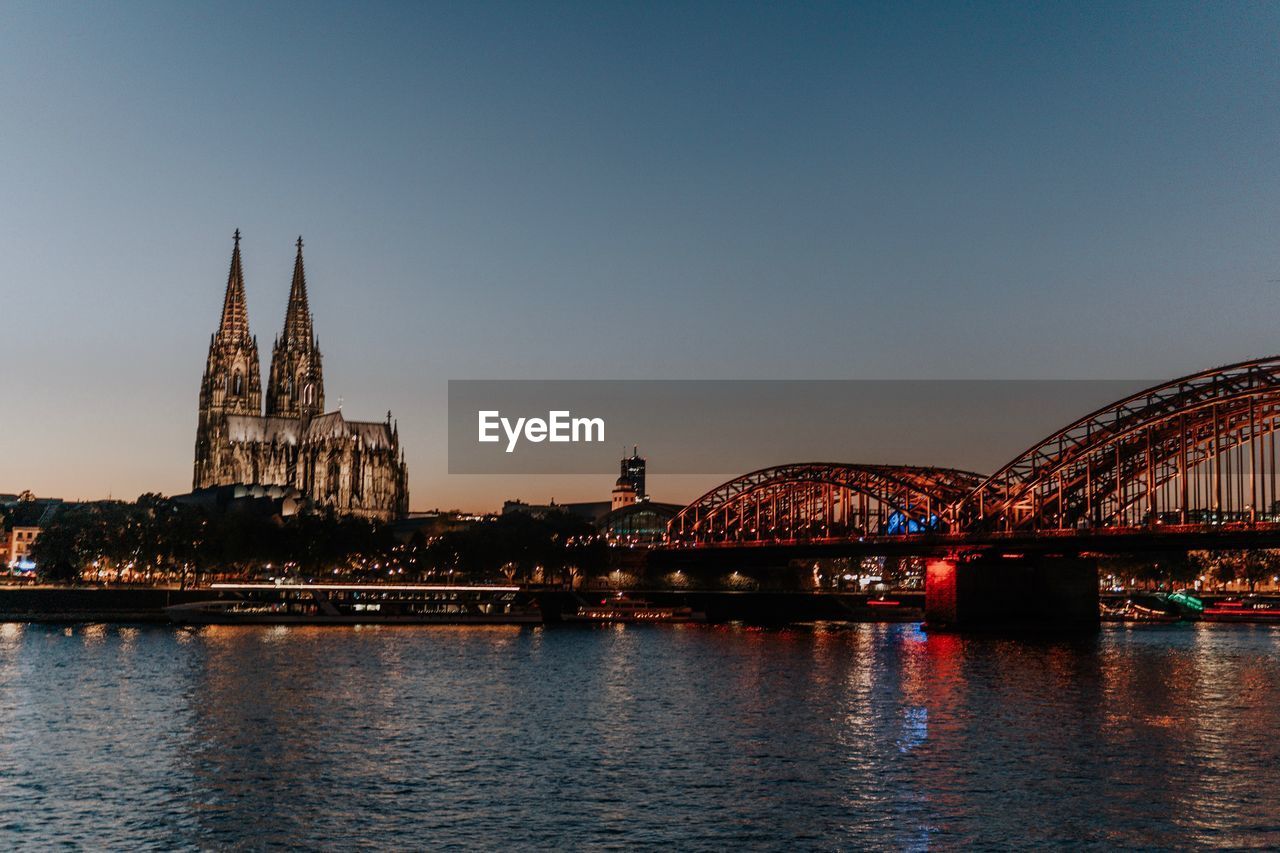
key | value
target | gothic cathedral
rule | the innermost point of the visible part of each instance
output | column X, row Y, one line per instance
column 350, row 467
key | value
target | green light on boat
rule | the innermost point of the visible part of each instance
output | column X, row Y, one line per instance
column 1188, row 601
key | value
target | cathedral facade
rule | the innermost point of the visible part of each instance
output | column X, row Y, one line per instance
column 350, row 467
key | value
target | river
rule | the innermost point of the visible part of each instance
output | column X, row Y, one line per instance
column 687, row 737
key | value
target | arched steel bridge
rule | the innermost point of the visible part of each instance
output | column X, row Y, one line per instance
column 1192, row 454
column 823, row 500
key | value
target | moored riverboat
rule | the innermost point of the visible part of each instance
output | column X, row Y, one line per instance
column 620, row 609
column 358, row 604
column 1138, row 611
column 1247, row 609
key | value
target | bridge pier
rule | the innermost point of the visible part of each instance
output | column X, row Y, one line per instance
column 998, row 592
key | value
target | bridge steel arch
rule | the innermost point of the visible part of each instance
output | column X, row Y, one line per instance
column 822, row 500
column 1199, row 450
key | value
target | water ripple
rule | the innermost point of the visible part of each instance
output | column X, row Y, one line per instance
column 869, row 736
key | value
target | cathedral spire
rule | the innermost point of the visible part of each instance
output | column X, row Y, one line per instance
column 295, row 387
column 235, row 311
column 297, row 318
column 231, row 384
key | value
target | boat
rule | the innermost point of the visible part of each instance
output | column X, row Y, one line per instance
column 358, row 604
column 1247, row 609
column 1138, row 611
column 621, row 609
column 1186, row 602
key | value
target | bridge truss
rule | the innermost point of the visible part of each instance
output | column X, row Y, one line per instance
column 823, row 500
column 1199, row 450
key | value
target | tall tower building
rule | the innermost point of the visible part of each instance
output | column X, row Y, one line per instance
column 629, row 487
column 633, row 471
column 232, row 384
column 295, row 386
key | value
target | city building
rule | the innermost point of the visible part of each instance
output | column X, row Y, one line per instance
column 624, row 494
column 353, row 468
column 591, row 511
column 629, row 516
column 630, row 486
column 641, row 523
column 633, row 472
column 252, row 498
column 24, row 516
column 420, row 528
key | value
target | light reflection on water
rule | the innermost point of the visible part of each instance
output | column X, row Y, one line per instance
column 711, row 737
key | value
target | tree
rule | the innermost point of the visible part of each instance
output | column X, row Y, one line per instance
column 517, row 545
column 1258, row 566
column 1226, row 567
column 157, row 537
column 1166, row 570
column 56, row 550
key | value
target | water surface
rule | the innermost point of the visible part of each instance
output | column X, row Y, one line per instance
column 691, row 737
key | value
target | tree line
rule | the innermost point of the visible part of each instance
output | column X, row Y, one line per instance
column 158, row 539
column 1214, row 569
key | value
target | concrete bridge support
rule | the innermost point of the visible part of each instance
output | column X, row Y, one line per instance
column 1011, row 593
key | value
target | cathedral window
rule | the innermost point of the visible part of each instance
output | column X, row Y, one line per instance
column 237, row 384
column 309, row 394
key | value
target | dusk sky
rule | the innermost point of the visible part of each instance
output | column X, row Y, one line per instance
column 599, row 190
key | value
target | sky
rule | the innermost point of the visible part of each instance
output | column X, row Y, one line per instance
column 616, row 191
